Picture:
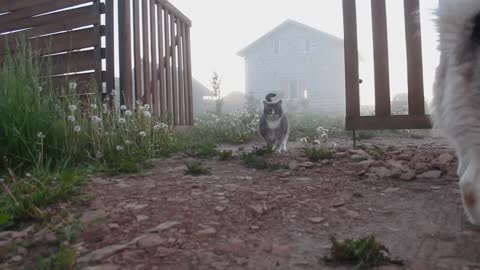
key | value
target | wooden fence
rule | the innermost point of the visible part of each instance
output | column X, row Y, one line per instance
column 158, row 72
column 383, row 118
column 68, row 32
column 78, row 37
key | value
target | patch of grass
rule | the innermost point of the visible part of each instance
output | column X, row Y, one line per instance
column 374, row 150
column 260, row 162
column 69, row 231
column 63, row 259
column 24, row 200
column 262, row 151
column 316, row 154
column 196, row 168
column 362, row 253
column 225, row 154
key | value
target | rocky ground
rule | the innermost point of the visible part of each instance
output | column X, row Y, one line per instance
column 402, row 191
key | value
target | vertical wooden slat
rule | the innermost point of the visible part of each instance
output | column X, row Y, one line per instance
column 181, row 89
column 153, row 46
column 125, row 48
column 189, row 75
column 352, row 92
column 168, row 70
column 137, row 48
column 185, row 74
column 110, row 48
column 416, row 98
column 146, row 54
column 380, row 53
column 98, row 51
column 161, row 61
column 173, row 21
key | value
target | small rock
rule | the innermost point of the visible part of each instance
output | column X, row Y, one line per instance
column 164, row 226
column 93, row 216
column 381, row 172
column 352, row 214
column 445, row 158
column 358, row 158
column 404, row 156
column 113, row 226
column 307, row 164
column 103, row 267
column 408, row 176
column 316, row 219
column 254, row 228
column 281, row 250
column 141, row 218
column 207, row 231
column 434, row 174
column 163, row 252
column 390, row 190
column 17, row 258
column 341, row 154
column 338, row 203
column 151, row 240
column 102, row 253
column 219, row 209
column 135, row 206
column 258, row 208
column 366, row 164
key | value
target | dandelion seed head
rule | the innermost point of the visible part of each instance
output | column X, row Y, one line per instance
column 127, row 142
column 128, row 113
column 147, row 114
column 40, row 135
column 28, row 175
column 77, row 129
column 93, row 106
column 96, row 119
column 71, row 118
column 122, row 120
column 72, row 107
column 119, row 148
column 143, row 133
column 40, row 89
column 123, row 107
column 72, row 86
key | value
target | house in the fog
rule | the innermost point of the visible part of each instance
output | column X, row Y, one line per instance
column 299, row 62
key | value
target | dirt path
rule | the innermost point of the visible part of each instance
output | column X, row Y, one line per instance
column 239, row 218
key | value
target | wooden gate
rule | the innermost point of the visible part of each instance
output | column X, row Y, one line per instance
column 159, row 71
column 383, row 118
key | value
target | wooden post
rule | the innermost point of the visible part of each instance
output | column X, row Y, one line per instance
column 153, row 46
column 147, row 92
column 173, row 22
column 125, row 47
column 137, row 48
column 161, row 62
column 110, row 49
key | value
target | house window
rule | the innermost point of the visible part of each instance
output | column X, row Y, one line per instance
column 307, row 47
column 276, row 47
column 294, row 89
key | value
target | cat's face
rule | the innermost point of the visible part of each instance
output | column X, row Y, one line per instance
column 272, row 111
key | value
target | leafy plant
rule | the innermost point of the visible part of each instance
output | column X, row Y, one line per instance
column 362, row 253
column 316, row 154
column 260, row 162
column 225, row 154
column 63, row 259
column 195, row 168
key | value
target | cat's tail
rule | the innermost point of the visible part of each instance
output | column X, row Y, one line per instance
column 269, row 97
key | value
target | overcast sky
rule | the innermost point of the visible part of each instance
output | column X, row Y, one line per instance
column 222, row 28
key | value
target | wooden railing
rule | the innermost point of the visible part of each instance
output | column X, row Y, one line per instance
column 158, row 72
column 383, row 118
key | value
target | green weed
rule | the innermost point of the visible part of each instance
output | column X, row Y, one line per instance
column 316, row 154
column 196, row 168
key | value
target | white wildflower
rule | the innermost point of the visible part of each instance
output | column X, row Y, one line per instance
column 317, row 142
column 304, row 140
column 143, row 133
column 122, row 120
column 119, row 148
column 71, row 118
column 123, row 108
column 127, row 142
column 94, row 106
column 40, row 89
column 28, row 175
column 128, row 113
column 146, row 107
column 72, row 86
column 72, row 107
column 96, row 119
column 334, row 145
column 77, row 129
column 157, row 127
column 147, row 114
column 40, row 135
column 324, row 137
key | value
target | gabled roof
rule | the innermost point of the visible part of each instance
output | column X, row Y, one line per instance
column 286, row 24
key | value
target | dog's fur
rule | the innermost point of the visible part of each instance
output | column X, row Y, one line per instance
column 456, row 103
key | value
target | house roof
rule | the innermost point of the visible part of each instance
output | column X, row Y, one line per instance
column 286, row 24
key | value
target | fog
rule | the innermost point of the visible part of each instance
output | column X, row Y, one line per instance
column 222, row 28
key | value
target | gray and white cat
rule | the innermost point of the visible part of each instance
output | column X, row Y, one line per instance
column 456, row 103
column 273, row 126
